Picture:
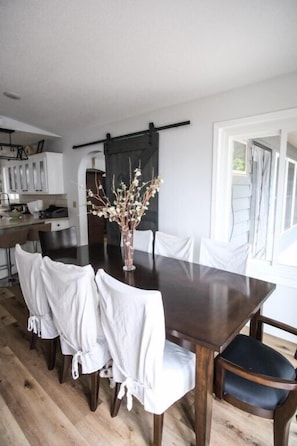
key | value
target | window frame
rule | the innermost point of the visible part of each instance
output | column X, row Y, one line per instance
column 271, row 124
column 294, row 197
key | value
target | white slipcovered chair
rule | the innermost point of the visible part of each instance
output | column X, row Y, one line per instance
column 142, row 240
column 40, row 320
column 73, row 297
column 225, row 256
column 169, row 245
column 145, row 365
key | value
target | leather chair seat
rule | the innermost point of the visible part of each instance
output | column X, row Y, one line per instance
column 251, row 354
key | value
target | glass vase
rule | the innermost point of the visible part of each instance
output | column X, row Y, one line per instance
column 127, row 238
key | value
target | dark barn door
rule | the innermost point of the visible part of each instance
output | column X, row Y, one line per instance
column 122, row 157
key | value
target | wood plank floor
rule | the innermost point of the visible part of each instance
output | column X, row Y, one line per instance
column 36, row 410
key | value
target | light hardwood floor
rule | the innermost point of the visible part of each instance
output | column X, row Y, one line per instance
column 36, row 410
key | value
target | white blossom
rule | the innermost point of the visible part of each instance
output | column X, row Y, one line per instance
column 130, row 202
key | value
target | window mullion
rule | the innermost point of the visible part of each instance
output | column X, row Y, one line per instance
column 293, row 196
column 280, row 202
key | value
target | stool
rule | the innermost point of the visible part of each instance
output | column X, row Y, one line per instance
column 8, row 240
column 33, row 234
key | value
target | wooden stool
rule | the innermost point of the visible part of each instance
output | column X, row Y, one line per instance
column 8, row 240
column 33, row 234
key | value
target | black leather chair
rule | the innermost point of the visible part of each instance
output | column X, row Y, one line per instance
column 256, row 328
column 54, row 241
column 259, row 380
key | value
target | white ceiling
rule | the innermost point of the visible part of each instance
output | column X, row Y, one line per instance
column 89, row 62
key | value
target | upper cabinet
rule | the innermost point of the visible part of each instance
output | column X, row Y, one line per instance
column 40, row 174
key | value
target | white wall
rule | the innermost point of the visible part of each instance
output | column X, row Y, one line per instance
column 185, row 156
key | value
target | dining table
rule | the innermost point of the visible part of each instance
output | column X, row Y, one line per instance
column 204, row 307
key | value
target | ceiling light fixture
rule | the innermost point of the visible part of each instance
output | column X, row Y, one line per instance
column 9, row 151
column 11, row 95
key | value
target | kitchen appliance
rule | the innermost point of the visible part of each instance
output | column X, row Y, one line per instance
column 35, row 207
column 4, row 201
column 19, row 207
column 55, row 212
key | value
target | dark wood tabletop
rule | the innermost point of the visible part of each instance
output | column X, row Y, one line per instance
column 202, row 305
column 205, row 308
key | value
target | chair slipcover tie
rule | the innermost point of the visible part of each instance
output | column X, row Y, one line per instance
column 75, row 359
column 128, row 386
column 81, row 357
column 34, row 325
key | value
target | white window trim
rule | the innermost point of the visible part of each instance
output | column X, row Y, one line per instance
column 294, row 163
column 276, row 123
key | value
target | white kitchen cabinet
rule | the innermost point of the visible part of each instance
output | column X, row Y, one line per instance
column 16, row 177
column 40, row 174
column 23, row 170
column 11, row 178
column 46, row 173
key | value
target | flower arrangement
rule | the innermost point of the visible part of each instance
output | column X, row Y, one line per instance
column 127, row 209
column 130, row 202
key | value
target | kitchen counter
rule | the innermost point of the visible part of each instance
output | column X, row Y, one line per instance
column 26, row 220
column 13, row 224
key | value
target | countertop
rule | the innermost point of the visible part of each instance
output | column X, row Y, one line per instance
column 26, row 220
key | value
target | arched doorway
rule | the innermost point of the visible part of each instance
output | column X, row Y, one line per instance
column 96, row 225
column 94, row 160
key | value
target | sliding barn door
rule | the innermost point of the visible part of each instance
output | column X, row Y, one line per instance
column 122, row 157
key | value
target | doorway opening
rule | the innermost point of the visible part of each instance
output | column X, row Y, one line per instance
column 96, row 225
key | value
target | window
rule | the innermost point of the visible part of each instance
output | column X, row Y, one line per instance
column 239, row 157
column 290, row 196
column 255, row 190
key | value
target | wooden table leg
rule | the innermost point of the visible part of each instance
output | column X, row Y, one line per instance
column 256, row 327
column 203, row 394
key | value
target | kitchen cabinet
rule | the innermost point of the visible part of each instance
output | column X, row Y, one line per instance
column 11, row 178
column 40, row 174
column 58, row 223
column 24, row 176
column 16, row 177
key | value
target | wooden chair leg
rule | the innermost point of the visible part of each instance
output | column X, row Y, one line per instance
column 158, row 429
column 65, row 367
column 52, row 353
column 282, row 420
column 116, row 404
column 281, row 430
column 33, row 341
column 95, row 382
column 219, row 378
